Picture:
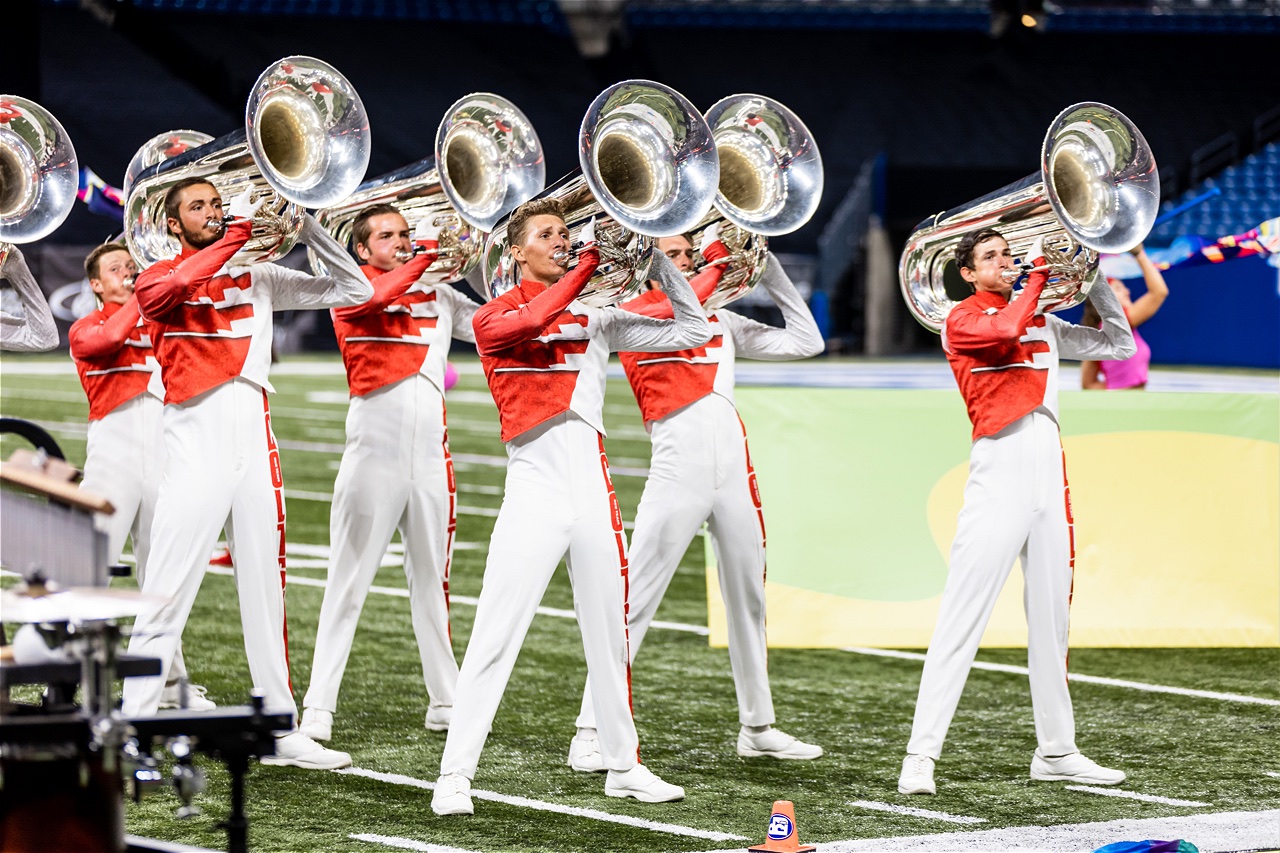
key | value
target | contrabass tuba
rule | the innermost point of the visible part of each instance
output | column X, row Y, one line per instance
column 39, row 174
column 648, row 169
column 488, row 160
column 1097, row 191
column 305, row 143
column 770, row 184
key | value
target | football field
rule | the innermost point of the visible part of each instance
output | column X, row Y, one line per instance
column 1197, row 730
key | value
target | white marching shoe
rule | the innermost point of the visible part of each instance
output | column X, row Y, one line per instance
column 917, row 775
column 317, row 723
column 452, row 795
column 642, row 784
column 584, row 753
column 775, row 743
column 1073, row 767
column 197, row 698
column 438, row 718
column 297, row 750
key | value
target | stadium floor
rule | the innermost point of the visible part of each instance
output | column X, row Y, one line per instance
column 1201, row 754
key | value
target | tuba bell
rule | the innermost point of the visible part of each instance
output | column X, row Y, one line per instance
column 648, row 169
column 305, row 143
column 770, row 184
column 488, row 159
column 1097, row 191
column 39, row 174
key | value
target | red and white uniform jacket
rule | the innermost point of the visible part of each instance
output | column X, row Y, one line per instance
column 112, row 352
column 1005, row 356
column 666, row 382
column 211, row 323
column 403, row 330
column 545, row 353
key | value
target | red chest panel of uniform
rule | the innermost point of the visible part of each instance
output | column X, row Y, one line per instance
column 193, row 341
column 1003, row 382
column 117, row 378
column 666, row 381
column 385, row 347
column 534, row 380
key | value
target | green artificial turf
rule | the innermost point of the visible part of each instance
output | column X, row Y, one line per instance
column 858, row 707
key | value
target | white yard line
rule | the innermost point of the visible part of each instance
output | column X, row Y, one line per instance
column 911, row 812
column 1273, row 775
column 1211, row 833
column 540, row 805
column 406, row 843
column 1134, row 795
column 1083, row 679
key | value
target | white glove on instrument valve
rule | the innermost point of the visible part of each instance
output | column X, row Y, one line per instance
column 709, row 235
column 587, row 236
column 1035, row 252
column 426, row 231
column 243, row 206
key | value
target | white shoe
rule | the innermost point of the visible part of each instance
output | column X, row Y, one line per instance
column 452, row 795
column 438, row 718
column 775, row 743
column 917, row 775
column 584, row 754
column 197, row 698
column 1073, row 768
column 641, row 783
column 297, row 750
column 317, row 723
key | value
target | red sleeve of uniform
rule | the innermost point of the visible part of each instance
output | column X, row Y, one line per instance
column 970, row 331
column 166, row 285
column 498, row 327
column 93, row 339
column 703, row 284
column 389, row 286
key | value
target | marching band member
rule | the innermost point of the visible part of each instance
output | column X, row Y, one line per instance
column 211, row 328
column 545, row 354
column 34, row 329
column 124, row 454
column 1016, row 503
column 701, row 471
column 396, row 471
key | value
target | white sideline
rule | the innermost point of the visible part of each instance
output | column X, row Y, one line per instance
column 913, row 812
column 1211, row 833
column 1134, row 795
column 1083, row 679
column 406, row 843
column 540, row 805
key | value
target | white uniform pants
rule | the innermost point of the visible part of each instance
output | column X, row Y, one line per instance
column 222, row 471
column 701, row 471
column 396, row 472
column 124, row 460
column 558, row 503
column 1016, row 503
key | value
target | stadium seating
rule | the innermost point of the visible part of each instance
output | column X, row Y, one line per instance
column 1250, row 195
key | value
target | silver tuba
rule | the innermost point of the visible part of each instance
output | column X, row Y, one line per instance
column 305, row 143
column 1097, row 191
column 39, row 174
column 770, row 184
column 488, row 159
column 648, row 169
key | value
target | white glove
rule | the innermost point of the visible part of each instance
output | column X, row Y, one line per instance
column 587, row 236
column 243, row 206
column 1035, row 251
column 426, row 231
column 709, row 236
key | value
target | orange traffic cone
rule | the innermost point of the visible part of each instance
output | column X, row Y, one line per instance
column 782, row 835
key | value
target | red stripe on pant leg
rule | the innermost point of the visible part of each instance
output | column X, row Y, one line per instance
column 751, row 482
column 615, row 515
column 453, row 515
column 277, row 483
column 1071, row 538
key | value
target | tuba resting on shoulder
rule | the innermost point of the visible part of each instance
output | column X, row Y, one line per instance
column 1097, row 191
column 488, row 159
column 648, row 169
column 770, row 184
column 39, row 174
column 305, row 143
